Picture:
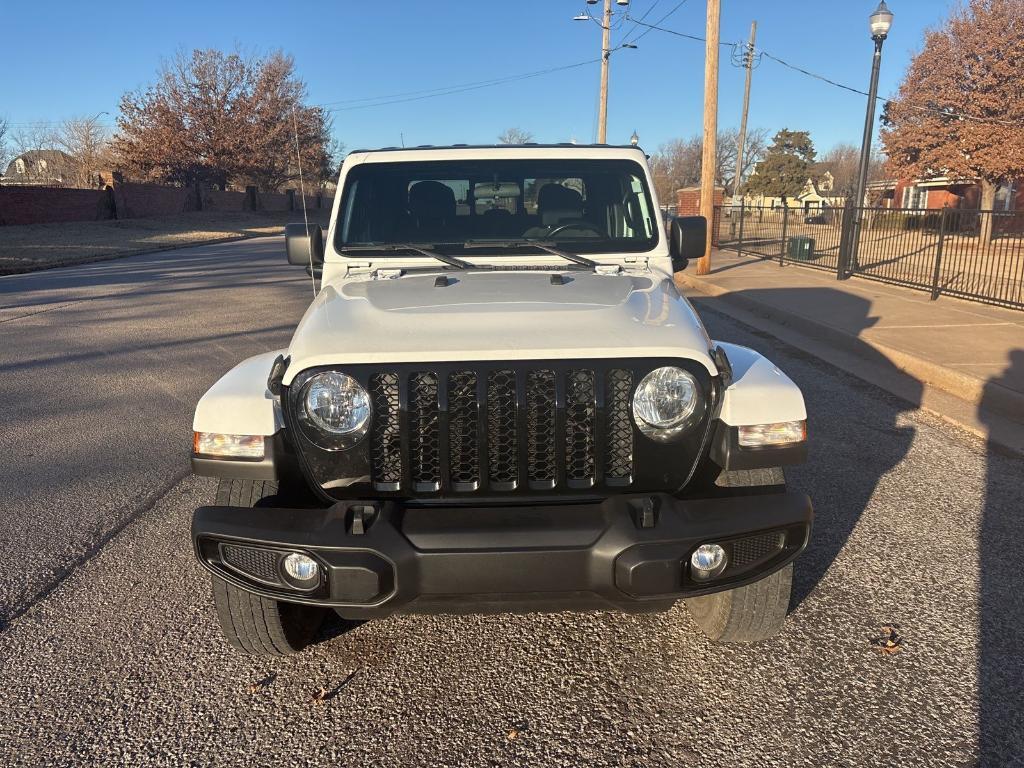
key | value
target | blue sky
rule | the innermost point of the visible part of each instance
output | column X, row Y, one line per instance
column 89, row 53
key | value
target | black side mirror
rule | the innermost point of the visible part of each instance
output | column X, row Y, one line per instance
column 688, row 238
column 302, row 249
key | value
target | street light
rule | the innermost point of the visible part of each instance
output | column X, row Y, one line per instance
column 880, row 22
column 634, row 139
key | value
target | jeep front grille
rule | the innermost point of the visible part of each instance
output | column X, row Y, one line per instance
column 501, row 429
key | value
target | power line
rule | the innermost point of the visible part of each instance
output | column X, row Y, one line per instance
column 654, row 26
column 647, row 13
column 381, row 101
column 948, row 113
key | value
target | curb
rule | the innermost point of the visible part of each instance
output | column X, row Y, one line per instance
column 998, row 399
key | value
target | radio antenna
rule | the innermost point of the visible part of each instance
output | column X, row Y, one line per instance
column 302, row 191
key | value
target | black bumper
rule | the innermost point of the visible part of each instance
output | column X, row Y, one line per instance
column 622, row 553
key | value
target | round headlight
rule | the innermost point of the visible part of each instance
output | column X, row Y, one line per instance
column 666, row 399
column 337, row 403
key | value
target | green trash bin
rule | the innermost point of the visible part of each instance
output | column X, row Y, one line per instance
column 800, row 249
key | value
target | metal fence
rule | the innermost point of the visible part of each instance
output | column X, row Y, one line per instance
column 942, row 251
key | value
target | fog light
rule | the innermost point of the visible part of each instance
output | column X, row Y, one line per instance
column 707, row 560
column 301, row 567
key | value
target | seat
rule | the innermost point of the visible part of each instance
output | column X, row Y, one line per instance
column 557, row 206
column 431, row 209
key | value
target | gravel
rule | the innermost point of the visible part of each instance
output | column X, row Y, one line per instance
column 119, row 661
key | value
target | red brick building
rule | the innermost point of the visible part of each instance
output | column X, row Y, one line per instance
column 942, row 192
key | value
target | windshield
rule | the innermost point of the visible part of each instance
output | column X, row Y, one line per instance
column 581, row 206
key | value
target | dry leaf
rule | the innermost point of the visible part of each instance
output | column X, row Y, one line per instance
column 512, row 735
column 890, row 641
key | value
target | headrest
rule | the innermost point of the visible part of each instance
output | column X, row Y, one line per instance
column 431, row 201
column 556, row 196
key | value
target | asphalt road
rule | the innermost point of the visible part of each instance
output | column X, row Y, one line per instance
column 109, row 653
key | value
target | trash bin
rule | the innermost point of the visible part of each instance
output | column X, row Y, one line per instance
column 800, row 249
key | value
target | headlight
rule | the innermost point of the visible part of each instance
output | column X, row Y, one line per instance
column 337, row 404
column 665, row 402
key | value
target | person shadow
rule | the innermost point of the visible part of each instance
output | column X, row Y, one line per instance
column 1001, row 586
column 850, row 449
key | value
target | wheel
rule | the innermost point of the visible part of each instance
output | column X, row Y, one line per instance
column 756, row 611
column 259, row 625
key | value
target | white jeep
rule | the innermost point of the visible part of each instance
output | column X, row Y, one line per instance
column 498, row 401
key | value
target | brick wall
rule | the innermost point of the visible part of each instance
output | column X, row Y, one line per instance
column 688, row 200
column 45, row 205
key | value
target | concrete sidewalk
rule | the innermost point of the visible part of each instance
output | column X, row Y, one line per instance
column 973, row 352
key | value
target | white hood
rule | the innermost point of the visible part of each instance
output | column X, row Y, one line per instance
column 501, row 315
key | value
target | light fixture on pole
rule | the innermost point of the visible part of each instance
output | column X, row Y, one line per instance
column 880, row 22
column 634, row 139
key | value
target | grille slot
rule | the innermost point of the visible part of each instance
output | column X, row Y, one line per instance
column 463, row 441
column 260, row 564
column 499, row 428
column 502, row 435
column 424, row 432
column 618, row 468
column 540, row 428
column 580, row 409
column 386, row 441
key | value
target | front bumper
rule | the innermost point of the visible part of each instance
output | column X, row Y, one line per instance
column 626, row 553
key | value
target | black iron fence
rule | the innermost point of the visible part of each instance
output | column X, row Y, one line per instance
column 977, row 255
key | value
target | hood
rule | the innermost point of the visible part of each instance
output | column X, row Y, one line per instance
column 497, row 316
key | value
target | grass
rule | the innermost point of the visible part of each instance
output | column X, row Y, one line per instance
column 32, row 247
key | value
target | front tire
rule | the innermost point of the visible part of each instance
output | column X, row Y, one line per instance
column 756, row 611
column 258, row 625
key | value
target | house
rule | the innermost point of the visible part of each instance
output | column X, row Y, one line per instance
column 818, row 192
column 941, row 192
column 45, row 167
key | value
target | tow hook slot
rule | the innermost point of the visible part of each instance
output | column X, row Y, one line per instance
column 363, row 516
column 645, row 512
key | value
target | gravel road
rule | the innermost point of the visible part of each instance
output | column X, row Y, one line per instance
column 109, row 654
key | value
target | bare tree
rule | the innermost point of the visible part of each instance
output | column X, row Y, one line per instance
column 5, row 151
column 88, row 144
column 515, row 136
column 677, row 163
column 728, row 145
column 843, row 162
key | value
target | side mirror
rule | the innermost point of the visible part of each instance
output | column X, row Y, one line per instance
column 302, row 249
column 688, row 237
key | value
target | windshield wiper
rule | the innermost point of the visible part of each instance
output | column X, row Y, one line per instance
column 539, row 244
column 422, row 250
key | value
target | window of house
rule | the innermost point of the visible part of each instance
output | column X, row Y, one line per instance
column 19, row 165
column 1004, row 197
column 913, row 198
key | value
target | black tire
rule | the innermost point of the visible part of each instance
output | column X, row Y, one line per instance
column 757, row 611
column 258, row 625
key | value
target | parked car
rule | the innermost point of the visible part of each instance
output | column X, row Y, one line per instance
column 490, row 411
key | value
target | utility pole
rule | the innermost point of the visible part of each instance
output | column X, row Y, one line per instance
column 748, row 61
column 708, row 157
column 606, row 42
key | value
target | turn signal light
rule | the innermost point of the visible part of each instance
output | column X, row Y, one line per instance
column 773, row 435
column 221, row 446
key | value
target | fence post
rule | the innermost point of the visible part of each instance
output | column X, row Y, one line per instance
column 845, row 230
column 782, row 249
column 938, row 255
column 739, row 243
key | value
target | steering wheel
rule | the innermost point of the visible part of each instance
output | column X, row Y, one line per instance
column 578, row 224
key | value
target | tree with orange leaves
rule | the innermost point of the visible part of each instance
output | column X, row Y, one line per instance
column 960, row 109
